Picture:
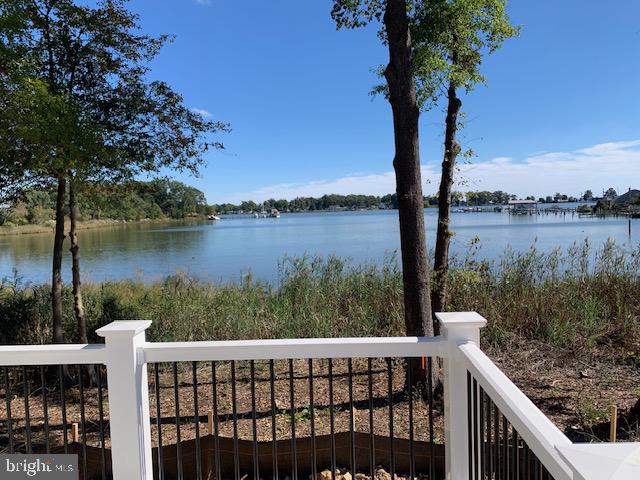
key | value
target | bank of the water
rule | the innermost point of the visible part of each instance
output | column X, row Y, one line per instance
column 563, row 299
column 48, row 227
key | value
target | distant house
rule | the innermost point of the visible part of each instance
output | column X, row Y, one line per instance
column 522, row 206
column 628, row 202
column 631, row 197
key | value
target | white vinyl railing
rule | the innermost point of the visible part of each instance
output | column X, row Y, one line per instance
column 126, row 354
column 540, row 433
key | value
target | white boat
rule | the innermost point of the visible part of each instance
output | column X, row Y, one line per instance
column 213, row 217
column 274, row 213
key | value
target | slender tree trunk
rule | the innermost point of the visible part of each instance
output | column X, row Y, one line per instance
column 413, row 245
column 90, row 375
column 443, row 236
column 78, row 306
column 56, row 280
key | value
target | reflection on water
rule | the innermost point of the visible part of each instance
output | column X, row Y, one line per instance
column 238, row 244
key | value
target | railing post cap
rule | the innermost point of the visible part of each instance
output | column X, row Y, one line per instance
column 593, row 461
column 129, row 328
column 451, row 320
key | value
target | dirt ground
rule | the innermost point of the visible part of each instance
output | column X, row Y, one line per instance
column 577, row 391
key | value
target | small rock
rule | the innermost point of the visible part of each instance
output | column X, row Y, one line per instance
column 325, row 475
column 381, row 474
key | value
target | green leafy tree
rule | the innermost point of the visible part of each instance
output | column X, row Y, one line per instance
column 81, row 81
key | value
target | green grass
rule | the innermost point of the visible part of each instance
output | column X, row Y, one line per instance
column 581, row 299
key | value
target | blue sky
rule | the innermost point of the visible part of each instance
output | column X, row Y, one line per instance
column 561, row 111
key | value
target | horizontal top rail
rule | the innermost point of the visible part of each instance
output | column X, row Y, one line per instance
column 304, row 348
column 532, row 425
column 57, row 354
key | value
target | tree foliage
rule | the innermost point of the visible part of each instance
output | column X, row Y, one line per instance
column 88, row 66
column 450, row 39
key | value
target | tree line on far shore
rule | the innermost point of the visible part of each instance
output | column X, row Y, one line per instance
column 129, row 201
column 166, row 198
column 389, row 201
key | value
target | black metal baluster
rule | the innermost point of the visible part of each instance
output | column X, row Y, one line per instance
column 476, row 438
column 83, row 422
column 372, row 453
column 490, row 459
column 496, row 441
column 392, row 459
column 505, row 440
column 469, row 426
column 45, row 410
column 196, row 418
column 7, row 397
column 216, row 427
column 234, row 407
column 312, row 411
column 482, row 438
column 526, row 470
column 63, row 410
column 103, row 457
column 176, row 395
column 331, row 422
column 516, row 465
column 294, row 453
column 431, row 431
column 156, row 381
column 412, row 465
column 256, row 466
column 27, row 415
column 351, row 420
column 274, row 443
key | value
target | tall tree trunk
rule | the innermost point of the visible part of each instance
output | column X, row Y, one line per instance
column 413, row 245
column 443, row 236
column 78, row 306
column 90, row 374
column 56, row 280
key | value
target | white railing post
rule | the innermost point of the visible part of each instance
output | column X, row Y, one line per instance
column 128, row 400
column 457, row 328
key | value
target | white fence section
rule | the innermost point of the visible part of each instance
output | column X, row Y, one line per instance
column 126, row 354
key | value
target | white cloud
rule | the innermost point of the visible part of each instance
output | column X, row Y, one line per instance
column 202, row 112
column 613, row 164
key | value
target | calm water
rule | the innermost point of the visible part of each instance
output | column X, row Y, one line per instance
column 236, row 245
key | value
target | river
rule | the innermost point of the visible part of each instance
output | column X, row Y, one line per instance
column 226, row 250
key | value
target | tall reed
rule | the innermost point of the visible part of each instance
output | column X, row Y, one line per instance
column 581, row 299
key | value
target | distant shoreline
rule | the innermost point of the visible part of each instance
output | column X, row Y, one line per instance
column 48, row 228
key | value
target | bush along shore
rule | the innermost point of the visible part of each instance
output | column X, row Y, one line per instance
column 564, row 325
